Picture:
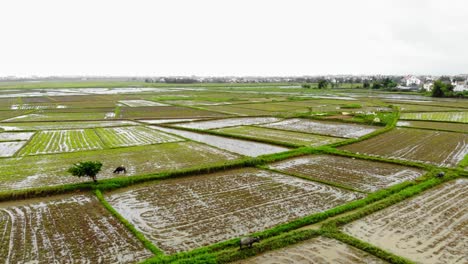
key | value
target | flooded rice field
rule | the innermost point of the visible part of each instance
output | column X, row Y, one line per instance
column 243, row 147
column 229, row 122
column 6, row 136
column 164, row 121
column 63, row 125
column 137, row 103
column 456, row 127
column 9, row 148
column 324, row 128
column 65, row 229
column 48, row 170
column 431, row 228
column 461, row 117
column 190, row 212
column 362, row 175
column 133, row 136
column 316, row 250
column 280, row 135
column 416, row 145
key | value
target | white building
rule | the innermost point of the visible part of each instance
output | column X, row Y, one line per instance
column 411, row 81
column 428, row 86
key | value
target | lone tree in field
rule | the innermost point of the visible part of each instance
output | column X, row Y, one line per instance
column 86, row 169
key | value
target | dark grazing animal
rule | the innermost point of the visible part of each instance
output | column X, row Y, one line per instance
column 248, row 241
column 440, row 174
column 120, row 169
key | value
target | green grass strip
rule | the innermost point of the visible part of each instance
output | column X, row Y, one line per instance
column 150, row 246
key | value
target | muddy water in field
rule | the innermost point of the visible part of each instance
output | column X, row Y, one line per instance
column 316, row 250
column 8, row 149
column 436, row 147
column 324, row 128
column 431, row 228
column 65, row 229
column 186, row 213
column 359, row 174
column 229, row 122
column 243, row 147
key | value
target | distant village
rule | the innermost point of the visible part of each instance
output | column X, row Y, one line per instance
column 401, row 83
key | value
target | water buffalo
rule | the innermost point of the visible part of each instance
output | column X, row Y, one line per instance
column 120, row 169
column 248, row 241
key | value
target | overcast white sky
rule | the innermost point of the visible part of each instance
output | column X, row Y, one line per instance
column 242, row 37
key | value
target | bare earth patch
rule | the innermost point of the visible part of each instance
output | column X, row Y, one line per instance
column 73, row 229
column 431, row 228
column 316, row 250
column 359, row 174
column 187, row 213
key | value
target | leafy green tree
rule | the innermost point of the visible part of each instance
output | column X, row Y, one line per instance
column 322, row 84
column 438, row 89
column 376, row 85
column 86, row 169
column 306, row 85
column 366, row 85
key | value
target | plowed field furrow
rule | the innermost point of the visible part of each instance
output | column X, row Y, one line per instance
column 317, row 250
column 431, row 228
column 187, row 213
column 133, row 136
column 52, row 231
column 58, row 141
column 417, row 145
column 358, row 174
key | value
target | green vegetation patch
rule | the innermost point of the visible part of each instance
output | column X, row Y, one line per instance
column 133, row 136
column 280, row 135
column 48, row 170
column 60, row 141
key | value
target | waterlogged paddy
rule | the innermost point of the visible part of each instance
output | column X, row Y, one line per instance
column 431, row 228
column 15, row 136
column 461, row 117
column 186, row 213
column 456, row 127
column 363, row 175
column 324, row 128
column 436, row 147
column 280, row 135
column 47, row 170
column 63, row 125
column 243, row 147
column 229, row 122
column 8, row 149
column 316, row 250
column 65, row 229
column 137, row 103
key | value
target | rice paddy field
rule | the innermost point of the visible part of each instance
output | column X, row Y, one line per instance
column 307, row 171
column 187, row 213
column 416, row 145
